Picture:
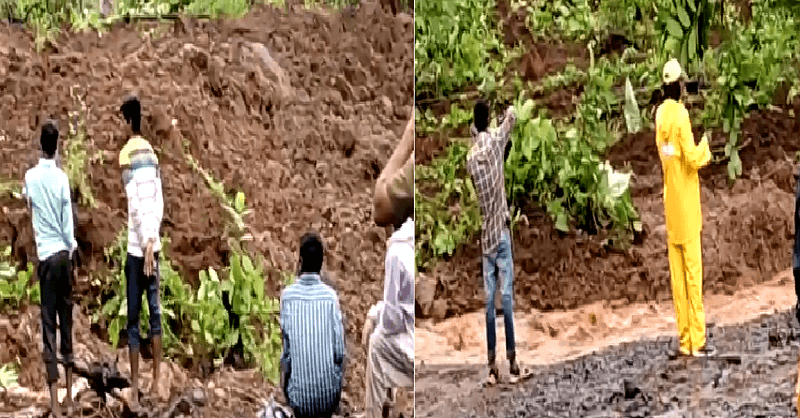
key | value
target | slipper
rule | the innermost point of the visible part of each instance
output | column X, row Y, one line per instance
column 490, row 381
column 524, row 374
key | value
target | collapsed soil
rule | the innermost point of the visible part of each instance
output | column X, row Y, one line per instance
column 298, row 110
column 754, row 375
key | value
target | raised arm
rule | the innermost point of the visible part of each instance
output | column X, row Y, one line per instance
column 395, row 185
column 503, row 133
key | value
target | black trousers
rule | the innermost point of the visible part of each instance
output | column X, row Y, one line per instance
column 55, row 281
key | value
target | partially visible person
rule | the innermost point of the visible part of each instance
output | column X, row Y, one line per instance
column 485, row 163
column 389, row 329
column 796, row 252
column 394, row 190
column 312, row 361
column 48, row 194
column 680, row 160
column 141, row 177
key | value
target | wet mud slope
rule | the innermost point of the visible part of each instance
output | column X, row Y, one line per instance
column 299, row 110
column 754, row 375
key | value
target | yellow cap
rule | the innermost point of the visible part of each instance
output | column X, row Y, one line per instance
column 672, row 71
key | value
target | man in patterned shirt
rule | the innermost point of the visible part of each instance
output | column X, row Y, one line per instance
column 485, row 165
column 312, row 362
column 141, row 177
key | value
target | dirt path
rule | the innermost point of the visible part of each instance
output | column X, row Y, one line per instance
column 450, row 359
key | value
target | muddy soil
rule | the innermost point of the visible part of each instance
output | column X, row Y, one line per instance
column 298, row 110
column 231, row 392
column 754, row 375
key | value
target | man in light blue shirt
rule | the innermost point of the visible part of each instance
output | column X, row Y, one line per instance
column 48, row 194
column 313, row 338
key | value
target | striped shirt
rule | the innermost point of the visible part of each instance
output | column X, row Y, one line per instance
column 485, row 165
column 142, row 179
column 313, row 346
column 47, row 190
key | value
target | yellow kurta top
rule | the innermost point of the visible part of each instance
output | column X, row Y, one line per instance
column 680, row 160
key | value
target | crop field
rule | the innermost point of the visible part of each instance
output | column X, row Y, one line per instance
column 584, row 77
column 268, row 120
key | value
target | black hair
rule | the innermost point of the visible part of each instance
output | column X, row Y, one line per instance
column 132, row 111
column 481, row 115
column 672, row 90
column 405, row 209
column 311, row 253
column 49, row 138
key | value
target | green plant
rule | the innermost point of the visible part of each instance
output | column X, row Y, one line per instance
column 15, row 286
column 235, row 205
column 258, row 314
column 561, row 169
column 76, row 156
column 684, row 25
column 452, row 54
column 212, row 334
column 747, row 70
column 573, row 20
column 446, row 205
column 8, row 375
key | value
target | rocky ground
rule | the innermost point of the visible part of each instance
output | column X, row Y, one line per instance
column 753, row 375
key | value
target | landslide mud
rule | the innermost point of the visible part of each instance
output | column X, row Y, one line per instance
column 299, row 110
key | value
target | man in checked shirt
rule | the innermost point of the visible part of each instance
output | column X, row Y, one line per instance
column 142, row 179
column 485, row 166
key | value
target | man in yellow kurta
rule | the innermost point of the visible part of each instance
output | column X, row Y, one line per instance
column 680, row 160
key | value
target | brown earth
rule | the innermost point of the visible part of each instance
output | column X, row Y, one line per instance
column 298, row 110
column 557, row 271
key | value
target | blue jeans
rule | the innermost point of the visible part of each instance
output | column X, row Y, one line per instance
column 137, row 284
column 495, row 266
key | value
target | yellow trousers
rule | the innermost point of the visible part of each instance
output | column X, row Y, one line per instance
column 686, row 273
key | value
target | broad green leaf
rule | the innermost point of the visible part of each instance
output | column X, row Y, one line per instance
column 561, row 222
column 240, row 202
column 632, row 116
column 247, row 264
column 684, row 17
column 525, row 111
column 674, row 28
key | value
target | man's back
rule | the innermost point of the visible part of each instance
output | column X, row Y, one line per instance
column 47, row 187
column 313, row 349
column 485, row 166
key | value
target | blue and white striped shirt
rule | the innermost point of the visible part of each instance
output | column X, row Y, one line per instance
column 313, row 346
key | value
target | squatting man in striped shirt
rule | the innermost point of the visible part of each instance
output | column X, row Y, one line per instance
column 141, row 178
column 48, row 194
column 312, row 362
column 388, row 332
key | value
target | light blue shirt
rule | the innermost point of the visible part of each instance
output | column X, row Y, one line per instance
column 47, row 190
